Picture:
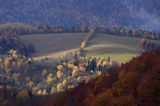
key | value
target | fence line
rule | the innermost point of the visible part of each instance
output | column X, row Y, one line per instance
column 88, row 37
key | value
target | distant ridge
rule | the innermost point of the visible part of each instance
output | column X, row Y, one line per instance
column 143, row 14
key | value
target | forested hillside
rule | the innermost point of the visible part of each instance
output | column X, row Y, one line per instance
column 143, row 14
column 132, row 84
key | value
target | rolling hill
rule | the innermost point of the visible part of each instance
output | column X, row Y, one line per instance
column 119, row 48
column 49, row 45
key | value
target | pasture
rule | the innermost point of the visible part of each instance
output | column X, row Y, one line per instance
column 119, row 48
column 50, row 44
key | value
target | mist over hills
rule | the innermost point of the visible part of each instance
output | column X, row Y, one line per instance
column 142, row 14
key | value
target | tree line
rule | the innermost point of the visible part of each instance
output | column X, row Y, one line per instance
column 23, row 29
column 10, row 40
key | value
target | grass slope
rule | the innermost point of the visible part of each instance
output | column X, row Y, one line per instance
column 120, row 48
column 51, row 44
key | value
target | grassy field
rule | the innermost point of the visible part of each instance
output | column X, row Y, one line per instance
column 50, row 44
column 119, row 48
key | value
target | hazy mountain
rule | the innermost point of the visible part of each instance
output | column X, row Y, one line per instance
column 107, row 13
